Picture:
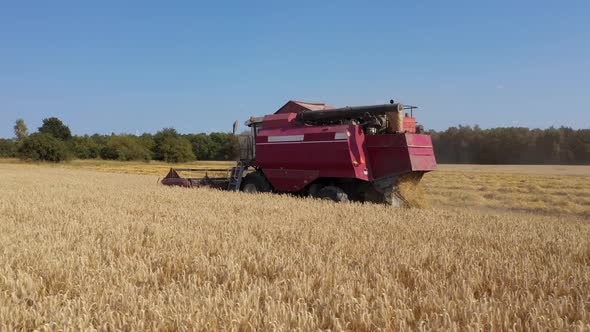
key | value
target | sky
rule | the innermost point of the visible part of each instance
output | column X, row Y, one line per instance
column 139, row 66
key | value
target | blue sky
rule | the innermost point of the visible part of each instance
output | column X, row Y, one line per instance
column 124, row 66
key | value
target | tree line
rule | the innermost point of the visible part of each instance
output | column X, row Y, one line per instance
column 513, row 145
column 54, row 142
column 464, row 144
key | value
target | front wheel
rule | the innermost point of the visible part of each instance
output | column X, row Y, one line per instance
column 333, row 193
column 255, row 182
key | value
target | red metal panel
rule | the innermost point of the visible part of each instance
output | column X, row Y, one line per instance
column 290, row 179
column 304, row 148
column 358, row 153
column 181, row 182
column 278, row 120
column 421, row 151
column 323, row 136
column 423, row 162
column 409, row 124
column 386, row 141
column 418, row 140
column 261, row 139
column 388, row 160
column 400, row 153
column 322, row 156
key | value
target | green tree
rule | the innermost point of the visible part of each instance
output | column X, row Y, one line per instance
column 124, row 148
column 171, row 147
column 512, row 145
column 224, row 146
column 579, row 145
column 43, row 147
column 201, row 145
column 20, row 130
column 84, row 147
column 549, row 143
column 215, row 146
column 232, row 147
column 101, row 140
column 54, row 127
column 8, row 148
column 147, row 140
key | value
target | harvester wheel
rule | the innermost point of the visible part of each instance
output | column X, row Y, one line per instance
column 256, row 182
column 333, row 193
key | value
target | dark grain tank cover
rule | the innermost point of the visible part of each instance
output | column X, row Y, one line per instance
column 348, row 112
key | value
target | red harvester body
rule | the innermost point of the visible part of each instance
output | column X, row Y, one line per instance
column 352, row 153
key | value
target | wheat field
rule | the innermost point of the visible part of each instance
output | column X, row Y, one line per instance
column 88, row 250
column 540, row 189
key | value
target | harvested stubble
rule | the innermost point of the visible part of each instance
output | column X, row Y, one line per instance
column 86, row 250
column 533, row 193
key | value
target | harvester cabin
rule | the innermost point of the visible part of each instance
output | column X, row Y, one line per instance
column 294, row 106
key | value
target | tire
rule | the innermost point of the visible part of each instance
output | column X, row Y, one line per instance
column 313, row 190
column 333, row 193
column 255, row 182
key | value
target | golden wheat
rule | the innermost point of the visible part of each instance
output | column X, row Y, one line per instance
column 540, row 189
column 87, row 250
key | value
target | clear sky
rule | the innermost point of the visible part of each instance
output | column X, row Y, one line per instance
column 123, row 66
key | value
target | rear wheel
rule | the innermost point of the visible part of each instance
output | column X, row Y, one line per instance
column 333, row 193
column 255, row 182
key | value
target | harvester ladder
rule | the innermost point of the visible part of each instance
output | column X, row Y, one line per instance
column 235, row 179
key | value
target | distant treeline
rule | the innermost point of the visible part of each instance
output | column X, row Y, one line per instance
column 473, row 145
column 54, row 142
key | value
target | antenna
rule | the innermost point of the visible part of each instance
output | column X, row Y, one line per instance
column 235, row 127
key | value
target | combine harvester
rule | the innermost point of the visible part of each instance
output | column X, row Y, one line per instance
column 364, row 153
